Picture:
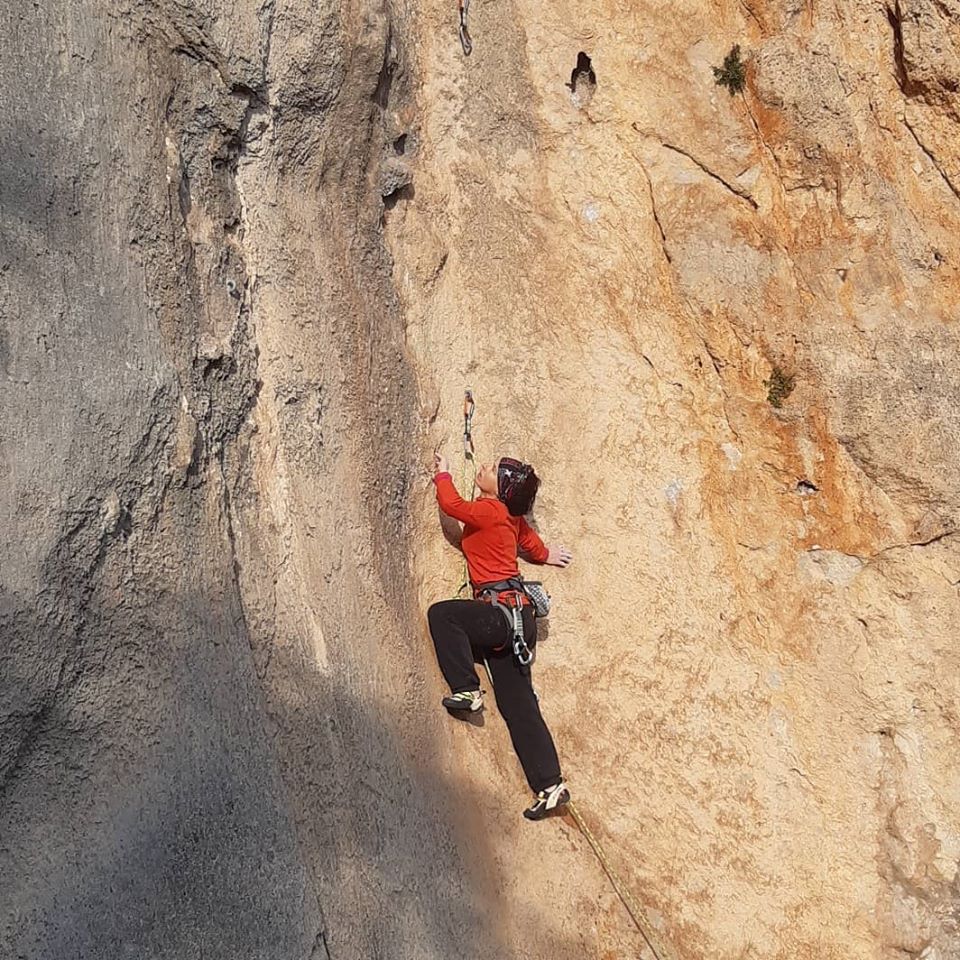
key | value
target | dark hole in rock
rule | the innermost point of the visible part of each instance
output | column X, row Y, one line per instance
column 391, row 199
column 125, row 523
column 400, row 145
column 805, row 487
column 196, row 456
column 219, row 367
column 583, row 80
column 381, row 94
column 183, row 194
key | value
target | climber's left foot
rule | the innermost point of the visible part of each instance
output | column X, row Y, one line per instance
column 547, row 800
column 467, row 701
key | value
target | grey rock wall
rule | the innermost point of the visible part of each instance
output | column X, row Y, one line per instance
column 142, row 811
column 146, row 763
column 205, row 745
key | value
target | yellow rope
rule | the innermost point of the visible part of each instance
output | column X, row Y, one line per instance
column 469, row 459
column 464, row 575
column 633, row 908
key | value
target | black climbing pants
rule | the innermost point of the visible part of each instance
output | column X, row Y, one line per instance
column 465, row 631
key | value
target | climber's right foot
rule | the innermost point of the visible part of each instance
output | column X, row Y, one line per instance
column 467, row 701
column 548, row 800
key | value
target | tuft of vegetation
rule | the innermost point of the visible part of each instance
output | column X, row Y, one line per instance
column 779, row 386
column 732, row 74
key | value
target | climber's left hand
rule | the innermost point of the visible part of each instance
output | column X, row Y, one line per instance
column 559, row 556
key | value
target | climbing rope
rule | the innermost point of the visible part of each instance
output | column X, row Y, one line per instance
column 465, row 40
column 639, row 918
column 633, row 908
column 468, row 459
column 468, row 409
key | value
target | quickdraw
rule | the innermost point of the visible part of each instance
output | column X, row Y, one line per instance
column 512, row 609
column 465, row 40
column 468, row 454
column 468, row 407
column 521, row 651
column 508, row 599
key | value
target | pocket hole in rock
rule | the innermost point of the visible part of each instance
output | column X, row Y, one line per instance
column 391, row 199
column 583, row 80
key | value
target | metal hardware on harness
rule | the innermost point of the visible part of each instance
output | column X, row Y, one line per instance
column 521, row 651
column 465, row 40
column 513, row 611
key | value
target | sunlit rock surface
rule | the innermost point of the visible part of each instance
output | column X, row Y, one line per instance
column 250, row 258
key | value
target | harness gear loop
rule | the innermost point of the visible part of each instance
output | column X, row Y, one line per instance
column 521, row 651
column 639, row 918
column 465, row 40
column 507, row 597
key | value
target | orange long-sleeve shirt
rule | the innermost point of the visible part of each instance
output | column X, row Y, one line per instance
column 491, row 537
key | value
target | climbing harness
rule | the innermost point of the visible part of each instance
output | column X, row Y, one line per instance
column 640, row 919
column 507, row 596
column 508, row 599
column 465, row 40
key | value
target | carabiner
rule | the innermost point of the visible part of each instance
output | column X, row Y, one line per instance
column 522, row 652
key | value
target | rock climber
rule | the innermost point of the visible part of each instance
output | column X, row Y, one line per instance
column 464, row 631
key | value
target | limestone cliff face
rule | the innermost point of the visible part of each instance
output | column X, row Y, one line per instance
column 251, row 256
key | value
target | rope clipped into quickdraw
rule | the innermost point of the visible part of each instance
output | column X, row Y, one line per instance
column 468, row 456
column 640, row 919
column 469, row 407
column 465, row 40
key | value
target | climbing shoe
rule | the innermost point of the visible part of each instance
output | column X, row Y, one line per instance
column 547, row 800
column 465, row 701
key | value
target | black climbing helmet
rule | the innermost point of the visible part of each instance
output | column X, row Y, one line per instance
column 517, row 485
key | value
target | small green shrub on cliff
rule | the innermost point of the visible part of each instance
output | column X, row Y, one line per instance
column 779, row 386
column 732, row 74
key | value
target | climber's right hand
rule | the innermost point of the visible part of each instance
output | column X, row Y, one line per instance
column 440, row 463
